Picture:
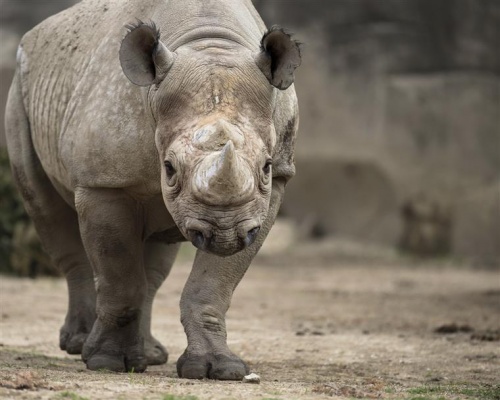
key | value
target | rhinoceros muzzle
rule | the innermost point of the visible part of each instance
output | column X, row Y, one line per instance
column 223, row 242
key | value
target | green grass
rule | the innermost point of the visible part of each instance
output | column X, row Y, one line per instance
column 136, row 378
column 389, row 390
column 175, row 397
column 426, row 398
column 451, row 391
column 427, row 390
column 492, row 393
column 71, row 395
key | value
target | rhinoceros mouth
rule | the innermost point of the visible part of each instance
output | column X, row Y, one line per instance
column 222, row 242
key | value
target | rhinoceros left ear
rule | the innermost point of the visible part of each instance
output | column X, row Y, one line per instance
column 145, row 60
column 279, row 57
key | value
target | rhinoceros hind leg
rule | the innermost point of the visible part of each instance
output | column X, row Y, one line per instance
column 73, row 334
column 212, row 366
column 156, row 353
column 158, row 260
column 81, row 291
column 71, row 343
column 55, row 221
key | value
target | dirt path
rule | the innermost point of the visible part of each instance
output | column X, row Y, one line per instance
column 310, row 331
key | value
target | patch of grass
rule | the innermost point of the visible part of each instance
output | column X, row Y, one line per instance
column 176, row 397
column 136, row 378
column 426, row 398
column 490, row 393
column 71, row 395
column 426, row 390
column 389, row 390
column 103, row 371
column 466, row 391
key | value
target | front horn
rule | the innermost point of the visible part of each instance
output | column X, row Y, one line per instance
column 223, row 179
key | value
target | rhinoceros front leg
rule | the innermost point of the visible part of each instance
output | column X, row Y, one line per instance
column 111, row 226
column 205, row 301
column 158, row 258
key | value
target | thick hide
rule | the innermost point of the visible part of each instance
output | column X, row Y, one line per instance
column 133, row 126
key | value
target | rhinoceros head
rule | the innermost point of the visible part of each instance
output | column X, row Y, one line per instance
column 212, row 104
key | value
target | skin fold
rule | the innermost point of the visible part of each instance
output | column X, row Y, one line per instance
column 128, row 137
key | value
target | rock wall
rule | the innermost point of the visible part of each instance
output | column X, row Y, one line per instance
column 16, row 18
column 411, row 90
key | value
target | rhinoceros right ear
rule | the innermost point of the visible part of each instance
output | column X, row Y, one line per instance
column 279, row 57
column 145, row 60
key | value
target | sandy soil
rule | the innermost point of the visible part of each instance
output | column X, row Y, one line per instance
column 311, row 328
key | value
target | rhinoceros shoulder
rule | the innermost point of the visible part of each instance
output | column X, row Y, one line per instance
column 286, row 122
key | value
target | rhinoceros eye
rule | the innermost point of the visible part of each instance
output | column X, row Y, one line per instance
column 169, row 169
column 267, row 167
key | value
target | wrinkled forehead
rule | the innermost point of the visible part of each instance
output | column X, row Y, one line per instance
column 215, row 81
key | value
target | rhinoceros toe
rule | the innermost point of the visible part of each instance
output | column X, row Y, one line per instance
column 117, row 360
column 156, row 353
column 114, row 348
column 72, row 343
column 76, row 328
column 116, row 363
column 212, row 366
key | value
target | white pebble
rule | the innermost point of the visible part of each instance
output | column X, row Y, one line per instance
column 252, row 378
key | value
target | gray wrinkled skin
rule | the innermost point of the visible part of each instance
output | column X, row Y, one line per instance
column 123, row 145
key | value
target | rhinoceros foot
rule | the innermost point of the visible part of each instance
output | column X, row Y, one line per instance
column 114, row 348
column 212, row 366
column 156, row 353
column 72, row 343
column 75, row 330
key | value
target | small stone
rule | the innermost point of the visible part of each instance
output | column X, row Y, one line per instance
column 453, row 328
column 252, row 378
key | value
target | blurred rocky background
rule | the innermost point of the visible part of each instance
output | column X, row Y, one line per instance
column 400, row 123
column 399, row 142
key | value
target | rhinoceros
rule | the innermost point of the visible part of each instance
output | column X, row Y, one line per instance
column 133, row 126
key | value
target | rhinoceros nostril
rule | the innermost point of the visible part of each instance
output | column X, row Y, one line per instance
column 198, row 239
column 251, row 235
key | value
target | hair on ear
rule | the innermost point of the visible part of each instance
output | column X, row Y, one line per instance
column 280, row 55
column 283, row 31
column 144, row 58
column 139, row 24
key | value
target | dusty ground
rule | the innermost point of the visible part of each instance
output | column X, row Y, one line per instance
column 312, row 327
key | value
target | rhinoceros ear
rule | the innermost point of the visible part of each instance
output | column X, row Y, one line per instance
column 279, row 56
column 145, row 60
